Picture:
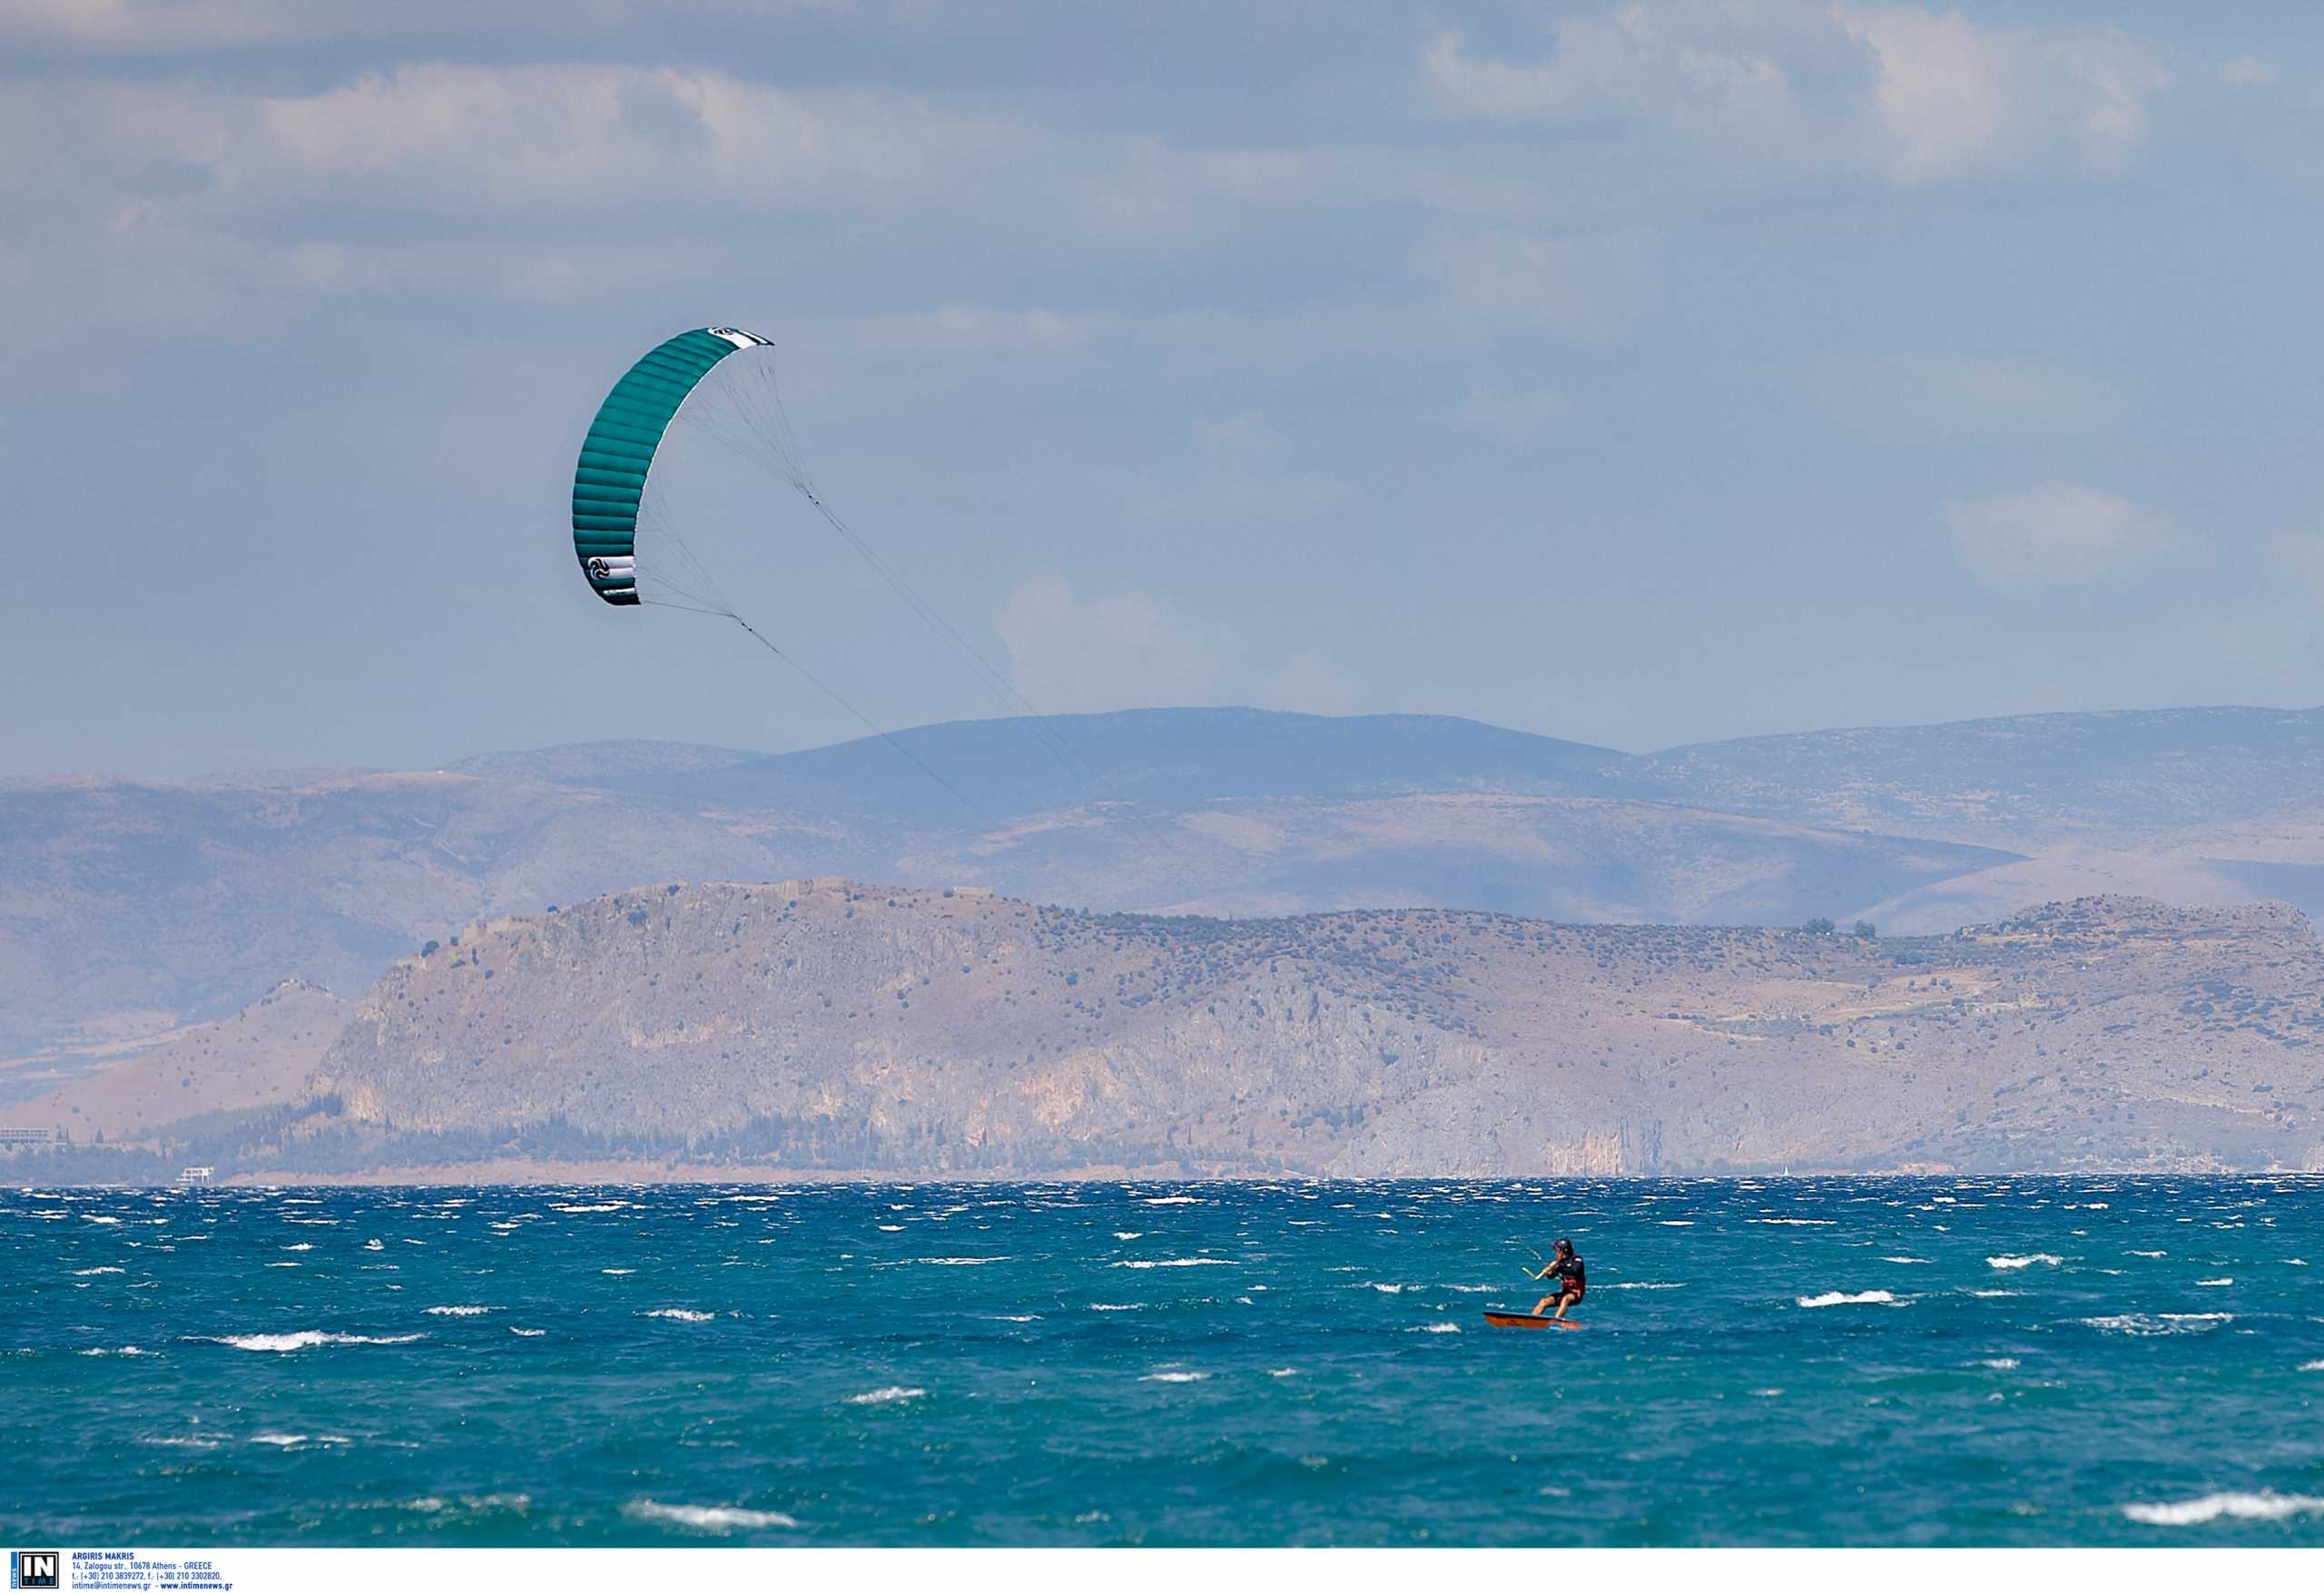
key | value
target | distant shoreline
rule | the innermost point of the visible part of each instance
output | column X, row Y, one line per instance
column 509, row 1175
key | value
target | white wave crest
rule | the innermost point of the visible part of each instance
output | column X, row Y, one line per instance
column 2038, row 1259
column 1179, row 1262
column 1861, row 1298
column 436, row 1504
column 460, row 1310
column 304, row 1339
column 2154, row 1324
column 680, row 1314
column 1435, row 1328
column 1173, row 1201
column 885, row 1397
column 2265, row 1507
column 705, row 1519
column 1173, row 1378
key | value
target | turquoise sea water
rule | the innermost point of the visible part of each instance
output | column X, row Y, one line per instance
column 1773, row 1362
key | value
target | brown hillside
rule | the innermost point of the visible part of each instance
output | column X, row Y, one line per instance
column 823, row 1025
column 261, row 1057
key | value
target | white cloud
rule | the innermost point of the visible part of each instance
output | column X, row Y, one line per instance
column 192, row 197
column 475, row 142
column 1899, row 92
column 1591, row 287
column 1962, row 396
column 1707, row 67
column 1071, row 654
column 176, row 204
column 2248, row 70
column 552, row 136
column 2057, row 535
column 157, row 27
column 140, row 25
column 1957, row 100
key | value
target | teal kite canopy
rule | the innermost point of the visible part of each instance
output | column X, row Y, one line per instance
column 618, row 452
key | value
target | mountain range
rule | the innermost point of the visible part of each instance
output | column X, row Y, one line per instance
column 130, row 909
column 828, row 1028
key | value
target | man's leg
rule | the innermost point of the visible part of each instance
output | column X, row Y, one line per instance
column 1543, row 1304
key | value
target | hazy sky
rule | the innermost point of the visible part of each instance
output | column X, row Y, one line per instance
column 1639, row 374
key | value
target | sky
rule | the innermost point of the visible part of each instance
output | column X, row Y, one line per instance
column 1639, row 374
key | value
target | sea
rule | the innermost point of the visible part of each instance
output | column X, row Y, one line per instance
column 2077, row 1361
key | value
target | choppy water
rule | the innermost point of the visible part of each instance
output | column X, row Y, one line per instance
column 2021, row 1362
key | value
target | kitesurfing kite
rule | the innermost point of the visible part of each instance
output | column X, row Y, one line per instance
column 629, row 534
column 618, row 456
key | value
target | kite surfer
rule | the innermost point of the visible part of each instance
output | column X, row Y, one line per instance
column 1565, row 1267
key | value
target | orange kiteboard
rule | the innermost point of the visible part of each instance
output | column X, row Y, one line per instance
column 1527, row 1320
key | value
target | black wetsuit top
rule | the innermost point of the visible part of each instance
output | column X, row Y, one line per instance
column 1567, row 1271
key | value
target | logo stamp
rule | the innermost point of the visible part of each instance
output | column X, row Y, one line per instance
column 35, row 1568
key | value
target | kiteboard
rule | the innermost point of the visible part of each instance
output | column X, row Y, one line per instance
column 1527, row 1320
